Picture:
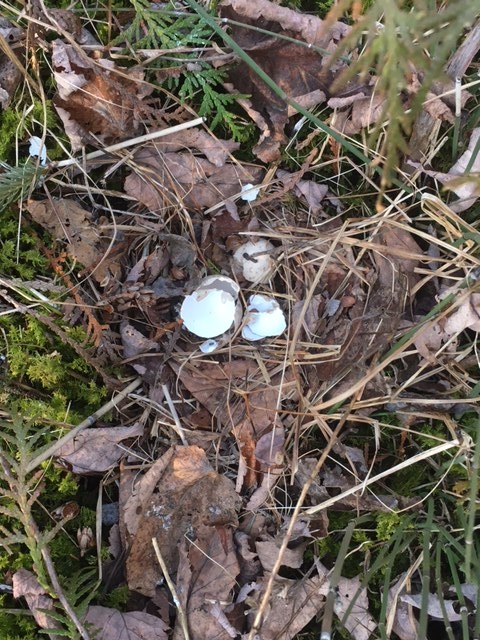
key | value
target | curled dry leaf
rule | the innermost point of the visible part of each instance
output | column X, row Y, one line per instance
column 110, row 624
column 434, row 606
column 189, row 498
column 281, row 60
column 358, row 622
column 10, row 74
column 97, row 450
column 95, row 99
column 404, row 622
column 335, row 479
column 268, row 461
column 433, row 335
column 26, row 585
column 207, row 573
column 212, row 385
column 165, row 176
column 312, row 192
column 465, row 186
column 292, row 605
column 268, row 549
column 66, row 220
column 366, row 328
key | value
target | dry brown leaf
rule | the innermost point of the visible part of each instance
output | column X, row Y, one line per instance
column 269, row 463
column 97, row 450
column 336, row 480
column 66, row 220
column 291, row 607
column 163, row 178
column 465, row 186
column 136, row 493
column 215, row 385
column 399, row 258
column 432, row 336
column 110, row 624
column 404, row 622
column 96, row 100
column 466, row 316
column 250, row 566
column 297, row 70
column 189, row 498
column 312, row 192
column 26, row 585
column 440, row 610
column 134, row 342
column 268, row 549
column 364, row 112
column 359, row 622
column 10, row 74
column 207, row 573
column 215, row 150
column 369, row 327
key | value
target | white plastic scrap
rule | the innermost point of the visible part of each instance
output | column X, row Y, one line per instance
column 211, row 309
column 264, row 318
column 254, row 259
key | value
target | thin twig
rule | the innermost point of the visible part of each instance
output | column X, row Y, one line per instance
column 181, row 613
column 88, row 422
column 406, row 463
column 130, row 143
column 177, row 426
column 269, row 588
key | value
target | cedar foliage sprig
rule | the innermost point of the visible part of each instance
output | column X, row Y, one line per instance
column 169, row 28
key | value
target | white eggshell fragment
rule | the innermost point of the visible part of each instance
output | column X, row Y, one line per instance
column 37, row 149
column 209, row 346
column 223, row 283
column 208, row 313
column 249, row 192
column 254, row 259
column 264, row 318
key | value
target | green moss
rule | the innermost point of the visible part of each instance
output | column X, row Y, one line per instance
column 15, row 126
column 42, row 361
column 31, row 263
column 117, row 598
column 387, row 525
column 18, row 626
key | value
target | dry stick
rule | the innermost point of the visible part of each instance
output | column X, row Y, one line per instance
column 268, row 591
column 177, row 425
column 88, row 422
column 173, row 590
column 130, row 143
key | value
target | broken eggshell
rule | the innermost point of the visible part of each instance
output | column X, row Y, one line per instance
column 249, row 192
column 254, row 260
column 264, row 318
column 212, row 308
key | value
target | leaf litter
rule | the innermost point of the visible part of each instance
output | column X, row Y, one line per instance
column 349, row 288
